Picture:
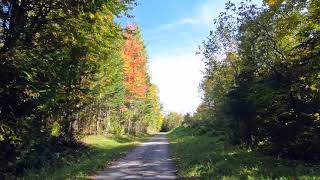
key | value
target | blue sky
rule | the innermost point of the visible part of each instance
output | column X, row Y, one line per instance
column 172, row 31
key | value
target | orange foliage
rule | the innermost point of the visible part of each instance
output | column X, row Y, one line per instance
column 134, row 64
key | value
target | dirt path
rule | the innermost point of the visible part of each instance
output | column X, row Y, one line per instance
column 150, row 160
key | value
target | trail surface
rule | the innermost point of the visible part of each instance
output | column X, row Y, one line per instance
column 150, row 160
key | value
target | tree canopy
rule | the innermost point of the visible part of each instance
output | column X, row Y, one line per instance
column 69, row 69
column 261, row 81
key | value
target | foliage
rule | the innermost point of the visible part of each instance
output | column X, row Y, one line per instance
column 135, row 59
column 98, row 152
column 262, row 76
column 211, row 157
column 171, row 121
column 142, row 106
column 153, row 115
column 63, row 74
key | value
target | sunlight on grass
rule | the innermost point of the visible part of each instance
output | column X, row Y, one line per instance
column 210, row 158
column 101, row 151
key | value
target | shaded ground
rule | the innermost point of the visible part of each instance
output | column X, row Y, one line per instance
column 82, row 164
column 150, row 160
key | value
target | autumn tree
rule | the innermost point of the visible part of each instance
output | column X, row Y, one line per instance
column 135, row 70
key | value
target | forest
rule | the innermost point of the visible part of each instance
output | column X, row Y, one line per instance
column 262, row 77
column 68, row 69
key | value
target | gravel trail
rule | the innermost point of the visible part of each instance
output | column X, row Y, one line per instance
column 150, row 160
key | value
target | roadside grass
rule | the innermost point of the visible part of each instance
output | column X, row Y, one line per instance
column 204, row 157
column 100, row 152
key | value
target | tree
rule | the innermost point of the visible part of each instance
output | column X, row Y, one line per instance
column 154, row 116
column 48, row 71
column 135, row 70
column 171, row 121
column 262, row 69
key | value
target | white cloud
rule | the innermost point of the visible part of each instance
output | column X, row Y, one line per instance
column 178, row 77
column 175, row 68
column 207, row 11
column 185, row 21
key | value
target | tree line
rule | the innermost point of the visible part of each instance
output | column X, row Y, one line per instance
column 69, row 69
column 171, row 121
column 261, row 82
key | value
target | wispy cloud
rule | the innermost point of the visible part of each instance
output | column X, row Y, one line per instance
column 203, row 14
column 187, row 21
column 183, row 21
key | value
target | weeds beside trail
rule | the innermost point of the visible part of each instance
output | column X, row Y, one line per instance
column 207, row 157
column 82, row 165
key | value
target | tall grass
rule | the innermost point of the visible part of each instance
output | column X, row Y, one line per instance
column 207, row 157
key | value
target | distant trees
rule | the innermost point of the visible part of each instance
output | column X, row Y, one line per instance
column 262, row 76
column 68, row 68
column 171, row 121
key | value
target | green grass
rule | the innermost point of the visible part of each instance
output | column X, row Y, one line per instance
column 101, row 151
column 206, row 157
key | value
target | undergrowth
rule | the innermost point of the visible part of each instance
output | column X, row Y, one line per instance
column 211, row 157
column 99, row 152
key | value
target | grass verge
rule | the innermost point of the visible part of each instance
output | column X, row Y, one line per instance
column 84, row 164
column 205, row 157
